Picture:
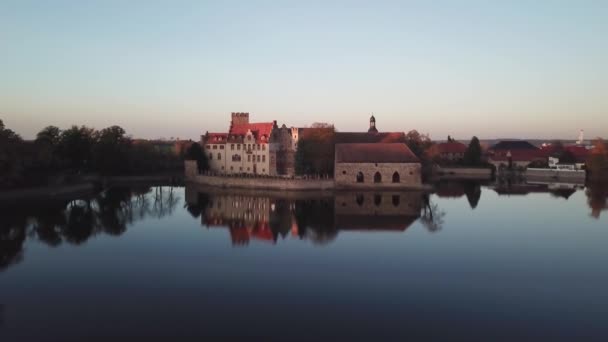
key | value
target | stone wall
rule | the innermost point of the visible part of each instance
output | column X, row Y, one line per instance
column 566, row 175
column 464, row 173
column 409, row 175
column 264, row 183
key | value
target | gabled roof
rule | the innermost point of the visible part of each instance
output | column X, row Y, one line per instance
column 375, row 153
column 359, row 137
column 451, row 147
column 513, row 145
column 258, row 129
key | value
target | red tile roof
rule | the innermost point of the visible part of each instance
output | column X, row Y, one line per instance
column 451, row 147
column 375, row 153
column 358, row 137
column 259, row 130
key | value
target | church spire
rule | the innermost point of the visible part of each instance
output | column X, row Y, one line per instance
column 372, row 125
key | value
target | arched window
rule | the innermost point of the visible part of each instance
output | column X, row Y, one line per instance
column 360, row 177
column 377, row 200
column 360, row 199
column 396, row 200
column 396, row 178
column 377, row 178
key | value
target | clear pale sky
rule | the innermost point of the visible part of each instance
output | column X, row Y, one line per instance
column 178, row 68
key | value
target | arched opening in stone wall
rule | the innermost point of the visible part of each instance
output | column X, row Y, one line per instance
column 377, row 200
column 396, row 200
column 360, row 178
column 396, row 178
column 377, row 178
column 360, row 199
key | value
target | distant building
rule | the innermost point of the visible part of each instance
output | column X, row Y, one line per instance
column 376, row 165
column 450, row 151
column 514, row 153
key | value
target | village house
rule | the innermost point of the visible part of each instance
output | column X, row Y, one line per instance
column 514, row 154
column 451, row 151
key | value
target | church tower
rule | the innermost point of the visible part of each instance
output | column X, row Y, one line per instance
column 372, row 125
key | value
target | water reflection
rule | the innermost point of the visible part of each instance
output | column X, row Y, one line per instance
column 256, row 215
column 75, row 222
column 316, row 217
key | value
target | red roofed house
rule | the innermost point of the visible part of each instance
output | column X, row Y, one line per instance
column 514, row 153
column 450, row 151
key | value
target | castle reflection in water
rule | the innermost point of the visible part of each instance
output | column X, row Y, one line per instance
column 314, row 216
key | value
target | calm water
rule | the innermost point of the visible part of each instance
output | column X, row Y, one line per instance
column 495, row 262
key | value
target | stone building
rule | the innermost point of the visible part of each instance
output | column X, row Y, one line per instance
column 243, row 150
column 376, row 165
column 252, row 148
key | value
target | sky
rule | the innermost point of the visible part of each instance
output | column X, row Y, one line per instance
column 517, row 69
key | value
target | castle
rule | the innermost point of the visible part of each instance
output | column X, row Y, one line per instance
column 369, row 159
column 260, row 148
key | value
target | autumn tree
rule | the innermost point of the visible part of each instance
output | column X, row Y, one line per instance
column 315, row 153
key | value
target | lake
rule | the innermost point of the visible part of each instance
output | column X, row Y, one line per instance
column 498, row 261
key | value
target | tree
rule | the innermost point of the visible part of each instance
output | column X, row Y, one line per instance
column 315, row 153
column 49, row 135
column 75, row 146
column 195, row 152
column 7, row 135
column 418, row 143
column 472, row 156
column 110, row 151
column 597, row 162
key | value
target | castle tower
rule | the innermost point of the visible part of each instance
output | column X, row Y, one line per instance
column 372, row 125
column 239, row 119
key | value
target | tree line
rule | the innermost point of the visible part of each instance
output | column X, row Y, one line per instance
column 78, row 150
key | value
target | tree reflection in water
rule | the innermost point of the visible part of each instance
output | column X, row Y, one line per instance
column 109, row 212
column 597, row 198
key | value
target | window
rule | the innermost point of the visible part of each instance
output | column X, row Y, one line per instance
column 222, row 168
column 264, row 147
column 344, row 172
column 360, row 199
column 259, row 147
column 210, row 156
column 249, row 158
column 231, row 168
column 259, row 159
column 241, row 168
column 219, row 156
column 215, row 147
column 263, row 159
column 238, row 146
column 249, row 147
column 377, row 200
column 221, row 147
column 377, row 177
column 396, row 178
column 236, row 158
column 360, row 178
column 231, row 146
column 396, row 200
column 247, row 169
column 208, row 147
column 263, row 170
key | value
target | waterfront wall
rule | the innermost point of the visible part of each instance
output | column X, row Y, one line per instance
column 263, row 183
column 569, row 175
column 464, row 173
